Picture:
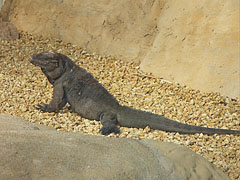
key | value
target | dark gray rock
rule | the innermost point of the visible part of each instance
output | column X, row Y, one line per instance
column 32, row 151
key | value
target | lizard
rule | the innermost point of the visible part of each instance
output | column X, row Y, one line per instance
column 87, row 97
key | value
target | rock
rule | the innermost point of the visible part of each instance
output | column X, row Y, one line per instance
column 1, row 3
column 197, row 44
column 33, row 151
column 5, row 6
column 8, row 31
column 194, row 43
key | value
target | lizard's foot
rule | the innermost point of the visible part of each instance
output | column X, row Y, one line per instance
column 44, row 107
column 109, row 129
column 109, row 122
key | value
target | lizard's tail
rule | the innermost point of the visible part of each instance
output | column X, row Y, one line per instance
column 129, row 117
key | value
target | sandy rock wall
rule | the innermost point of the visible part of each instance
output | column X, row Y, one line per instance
column 1, row 3
column 192, row 42
column 123, row 29
column 8, row 31
column 198, row 45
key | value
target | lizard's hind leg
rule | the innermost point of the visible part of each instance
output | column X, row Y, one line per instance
column 109, row 122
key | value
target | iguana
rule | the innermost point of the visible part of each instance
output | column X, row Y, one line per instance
column 87, row 97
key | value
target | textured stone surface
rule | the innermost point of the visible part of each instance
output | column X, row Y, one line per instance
column 32, row 151
column 198, row 45
column 1, row 3
column 194, row 43
column 8, row 31
column 5, row 7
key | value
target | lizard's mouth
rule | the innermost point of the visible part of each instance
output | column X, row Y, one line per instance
column 35, row 62
column 32, row 60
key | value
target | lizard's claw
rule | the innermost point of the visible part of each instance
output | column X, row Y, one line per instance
column 108, row 130
column 43, row 107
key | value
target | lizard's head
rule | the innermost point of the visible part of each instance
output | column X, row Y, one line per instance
column 51, row 64
column 48, row 60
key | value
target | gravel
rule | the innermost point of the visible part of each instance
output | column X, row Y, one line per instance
column 23, row 86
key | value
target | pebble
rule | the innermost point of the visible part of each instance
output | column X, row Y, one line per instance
column 24, row 86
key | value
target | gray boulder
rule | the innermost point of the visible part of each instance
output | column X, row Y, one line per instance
column 35, row 152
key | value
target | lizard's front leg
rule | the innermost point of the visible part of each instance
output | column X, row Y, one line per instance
column 58, row 101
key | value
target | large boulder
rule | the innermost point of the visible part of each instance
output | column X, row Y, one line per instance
column 32, row 151
column 192, row 42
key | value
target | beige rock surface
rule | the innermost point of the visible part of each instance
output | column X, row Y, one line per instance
column 1, row 3
column 192, row 42
column 32, row 151
column 8, row 31
column 198, row 45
